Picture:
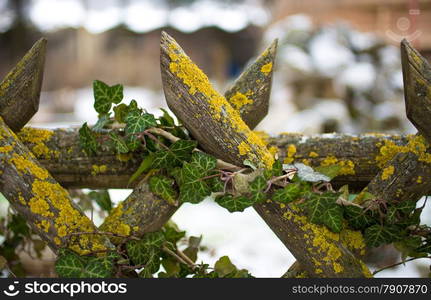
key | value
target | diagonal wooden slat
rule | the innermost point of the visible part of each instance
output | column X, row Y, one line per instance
column 20, row 89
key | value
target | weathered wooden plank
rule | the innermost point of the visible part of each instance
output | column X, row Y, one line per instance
column 20, row 89
column 46, row 206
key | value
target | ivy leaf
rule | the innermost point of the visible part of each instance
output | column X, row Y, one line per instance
column 318, row 204
column 69, row 264
column 101, row 123
column 172, row 268
column 172, row 233
column 132, row 142
column 277, row 170
column 333, row 218
column 182, row 149
column 288, row 194
column 215, row 184
column 250, row 164
column 306, row 173
column 407, row 206
column 233, row 204
column 166, row 119
column 194, row 192
column 257, row 187
column 105, row 95
column 102, row 199
column 192, row 250
column 163, row 187
column 142, row 251
column 391, row 215
column 96, row 267
column 87, row 140
column 204, row 161
column 116, row 93
column 178, row 152
column 377, row 235
column 357, row 217
column 119, row 143
column 224, row 266
column 137, row 122
column 120, row 113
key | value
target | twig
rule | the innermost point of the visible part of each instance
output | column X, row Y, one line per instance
column 400, row 263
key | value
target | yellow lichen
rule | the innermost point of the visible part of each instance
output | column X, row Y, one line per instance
column 98, row 169
column 419, row 180
column 387, row 172
column 239, row 100
column 291, row 150
column 347, row 167
column 244, row 148
column 38, row 137
column 114, row 223
column 353, row 240
column 221, row 110
column 416, row 145
column 6, row 149
column 52, row 201
column 23, row 164
column 266, row 68
column 313, row 154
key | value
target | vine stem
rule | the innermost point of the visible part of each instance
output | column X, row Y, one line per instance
column 399, row 263
column 177, row 257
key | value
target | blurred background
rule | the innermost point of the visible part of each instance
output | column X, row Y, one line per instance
column 338, row 69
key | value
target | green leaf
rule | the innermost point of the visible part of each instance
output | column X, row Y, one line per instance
column 377, row 235
column 318, row 204
column 102, row 199
column 105, row 95
column 178, row 152
column 119, row 143
column 98, row 267
column 166, row 119
column 257, row 187
column 143, row 251
column 204, row 161
column 143, row 167
column 116, row 93
column 357, row 217
column 224, row 266
column 333, row 218
column 407, row 206
column 288, row 194
column 192, row 250
column 69, row 264
column 391, row 215
column 233, row 204
column 120, row 113
column 171, row 266
column 132, row 142
column 331, row 171
column 172, row 233
column 87, row 140
column 137, row 122
column 163, row 187
column 194, row 192
column 101, row 123
column 102, row 100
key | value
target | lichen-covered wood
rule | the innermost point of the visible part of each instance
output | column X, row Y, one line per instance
column 250, row 92
column 46, row 206
column 214, row 123
column 20, row 89
column 361, row 156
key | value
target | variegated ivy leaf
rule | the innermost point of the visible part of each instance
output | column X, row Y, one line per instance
column 163, row 187
column 105, row 95
column 204, row 161
column 98, row 267
column 87, row 140
column 287, row 194
column 69, row 264
column 357, row 217
column 140, row 252
column 306, row 173
column 138, row 122
column 178, row 152
column 119, row 143
column 101, row 123
column 318, row 204
column 233, row 204
column 257, row 188
column 333, row 218
column 377, row 235
column 194, row 191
